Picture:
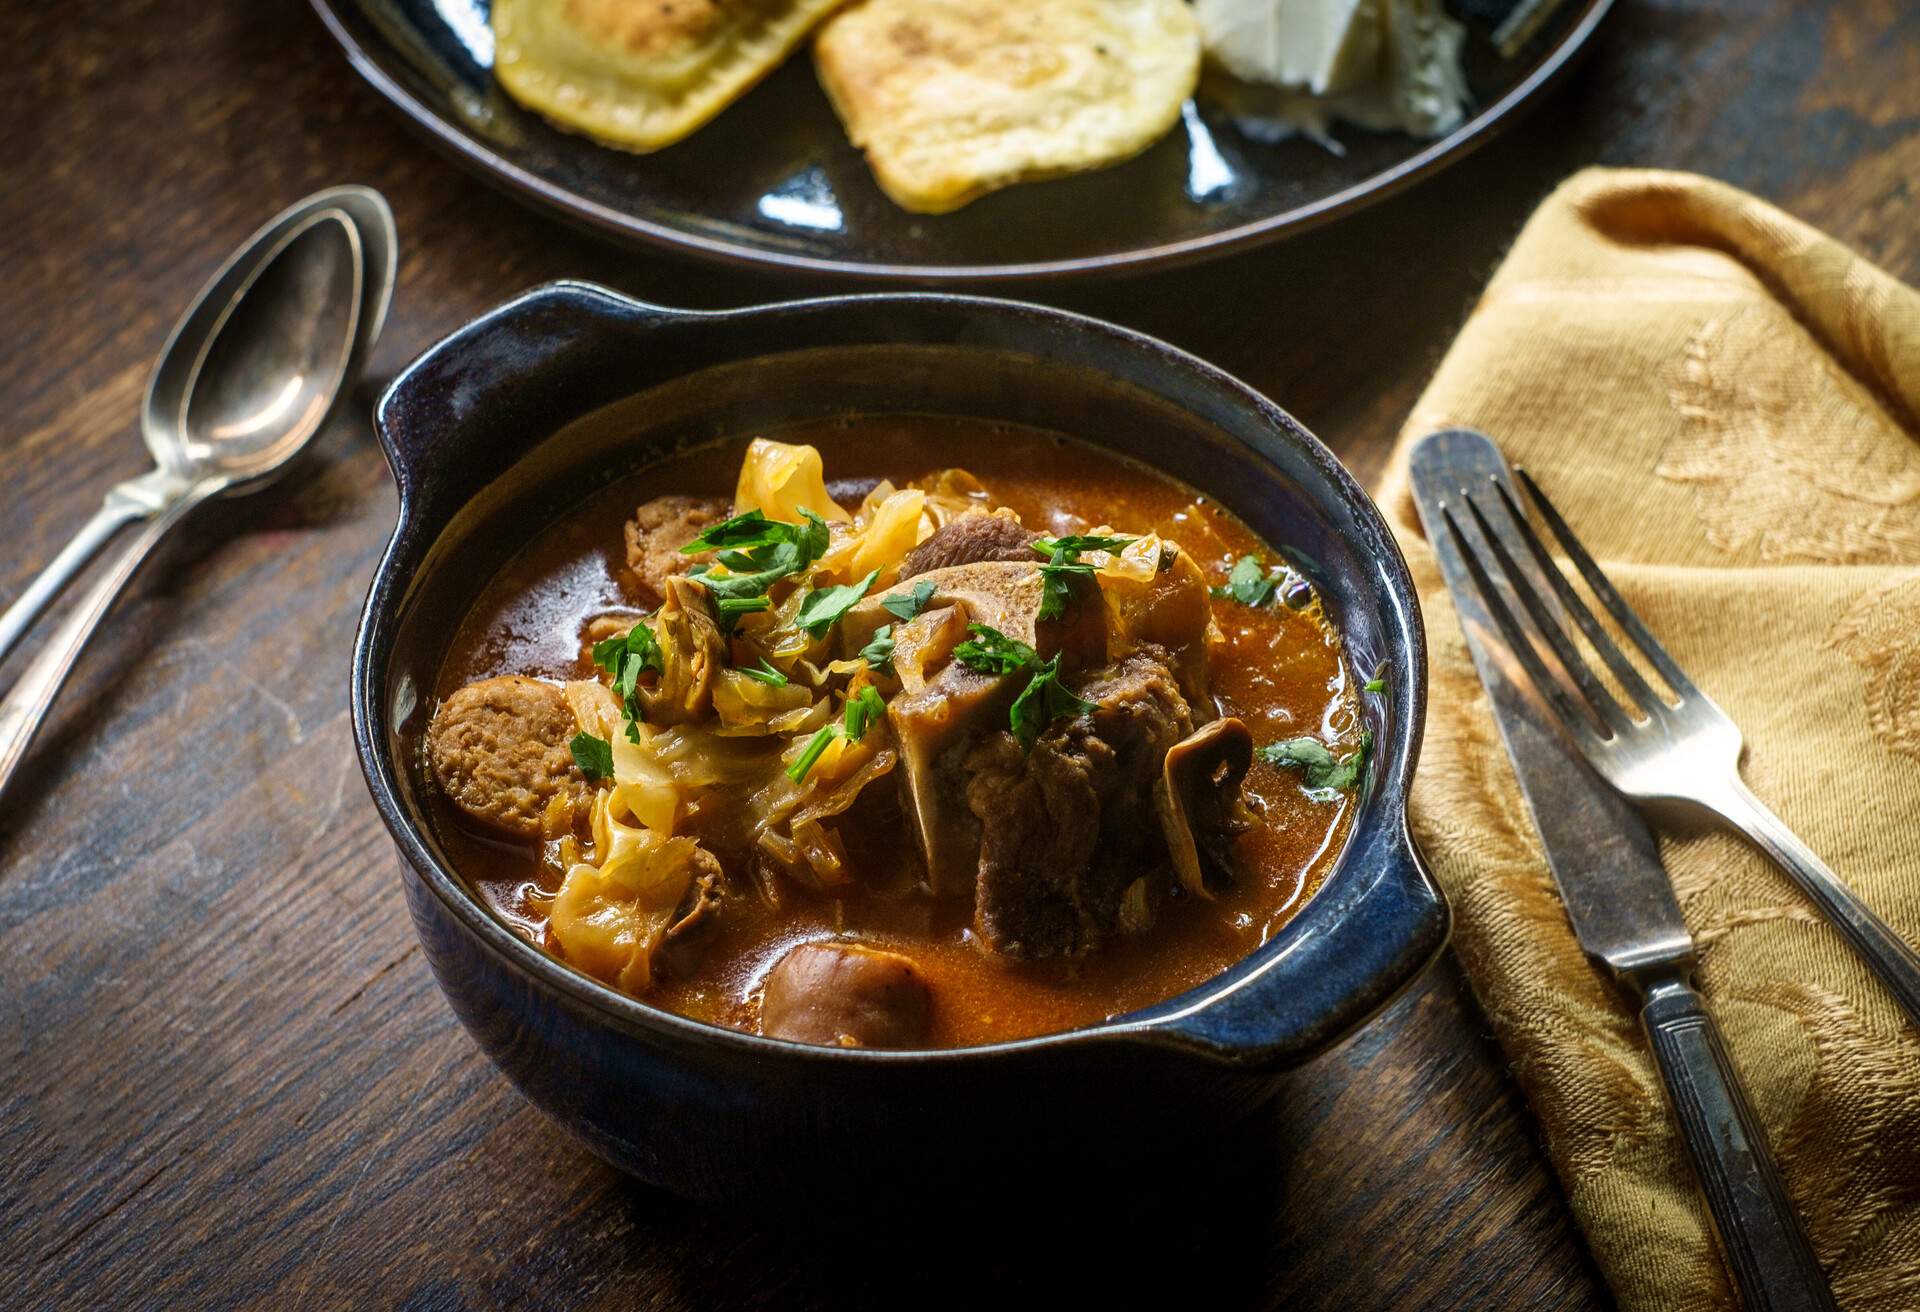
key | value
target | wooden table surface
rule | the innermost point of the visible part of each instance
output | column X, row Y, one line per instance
column 226, row 1078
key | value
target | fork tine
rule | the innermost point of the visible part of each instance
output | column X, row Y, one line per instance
column 1602, row 588
column 1650, row 701
column 1517, row 642
column 1596, row 694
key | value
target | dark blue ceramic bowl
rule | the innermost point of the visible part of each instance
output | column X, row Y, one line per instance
column 502, row 427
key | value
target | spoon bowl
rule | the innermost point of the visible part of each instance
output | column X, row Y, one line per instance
column 249, row 372
column 266, row 378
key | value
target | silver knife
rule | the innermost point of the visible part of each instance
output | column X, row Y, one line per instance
column 1617, row 894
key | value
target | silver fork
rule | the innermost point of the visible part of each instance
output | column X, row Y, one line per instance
column 1680, row 751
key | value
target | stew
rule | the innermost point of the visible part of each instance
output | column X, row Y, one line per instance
column 926, row 755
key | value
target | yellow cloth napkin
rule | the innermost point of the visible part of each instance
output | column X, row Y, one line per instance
column 1724, row 403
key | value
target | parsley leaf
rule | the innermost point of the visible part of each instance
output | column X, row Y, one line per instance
column 752, row 529
column 1064, row 566
column 878, row 654
column 909, row 604
column 733, row 586
column 1056, row 583
column 824, row 606
column 626, row 658
column 756, row 553
column 1044, row 700
column 1324, row 775
column 993, row 652
column 609, row 653
column 1249, row 582
column 1374, row 685
column 593, row 755
column 765, row 674
column 1078, row 542
column 637, row 646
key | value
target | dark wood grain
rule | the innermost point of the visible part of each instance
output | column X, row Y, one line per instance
column 225, row 1076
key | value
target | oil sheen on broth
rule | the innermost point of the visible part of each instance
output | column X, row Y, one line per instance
column 1280, row 670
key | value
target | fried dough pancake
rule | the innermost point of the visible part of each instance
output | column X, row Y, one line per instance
column 952, row 99
column 642, row 74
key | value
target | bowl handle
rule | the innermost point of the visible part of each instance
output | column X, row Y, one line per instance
column 562, row 340
column 1355, row 947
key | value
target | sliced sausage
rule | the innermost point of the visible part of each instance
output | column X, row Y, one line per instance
column 500, row 751
column 970, row 540
column 657, row 531
column 846, row 995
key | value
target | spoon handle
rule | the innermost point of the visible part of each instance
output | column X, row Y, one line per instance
column 28, row 701
column 114, row 514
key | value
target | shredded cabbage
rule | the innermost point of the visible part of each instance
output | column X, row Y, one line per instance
column 889, row 524
column 609, row 917
column 1137, row 562
column 951, row 493
column 781, row 480
column 747, row 705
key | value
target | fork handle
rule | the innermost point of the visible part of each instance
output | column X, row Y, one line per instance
column 1888, row 955
column 1772, row 1262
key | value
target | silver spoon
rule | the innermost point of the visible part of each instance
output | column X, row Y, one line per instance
column 249, row 375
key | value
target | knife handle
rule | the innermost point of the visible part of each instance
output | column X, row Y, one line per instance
column 1772, row 1262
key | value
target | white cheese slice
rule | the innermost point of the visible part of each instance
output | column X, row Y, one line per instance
column 1388, row 65
column 1322, row 46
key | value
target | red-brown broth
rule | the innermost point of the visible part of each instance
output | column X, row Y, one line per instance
column 1280, row 670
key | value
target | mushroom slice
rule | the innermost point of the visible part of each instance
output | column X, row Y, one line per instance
column 846, row 995
column 1199, row 804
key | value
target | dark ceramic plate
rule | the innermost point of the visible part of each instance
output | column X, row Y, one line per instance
column 773, row 181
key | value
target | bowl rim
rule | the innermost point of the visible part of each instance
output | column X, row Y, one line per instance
column 1145, row 1026
column 532, row 188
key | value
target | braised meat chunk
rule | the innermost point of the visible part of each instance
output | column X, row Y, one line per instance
column 846, row 995
column 1062, row 827
column 498, row 749
column 971, row 540
column 657, row 531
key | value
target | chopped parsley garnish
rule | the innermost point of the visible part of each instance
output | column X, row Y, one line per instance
column 593, row 755
column 1250, row 582
column 765, row 673
column 754, row 554
column 636, row 649
column 815, row 746
column 745, row 532
column 1324, row 775
column 1044, row 700
column 732, row 608
column 1056, row 583
column 878, row 653
column 1376, row 684
column 1064, row 566
column 863, row 708
column 824, row 606
column 1078, row 542
column 626, row 658
column 907, row 605
column 993, row 652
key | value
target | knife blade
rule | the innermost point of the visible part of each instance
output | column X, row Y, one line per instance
column 1617, row 895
